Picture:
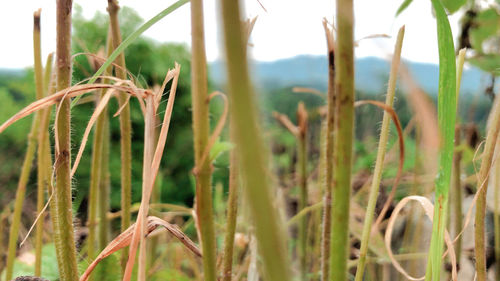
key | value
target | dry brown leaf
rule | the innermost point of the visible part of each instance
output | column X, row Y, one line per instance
column 123, row 240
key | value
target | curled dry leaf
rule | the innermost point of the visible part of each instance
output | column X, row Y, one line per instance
column 429, row 210
column 71, row 92
column 124, row 239
column 285, row 121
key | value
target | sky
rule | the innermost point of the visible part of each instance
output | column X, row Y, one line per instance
column 285, row 28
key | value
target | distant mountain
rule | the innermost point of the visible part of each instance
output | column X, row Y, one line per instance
column 371, row 74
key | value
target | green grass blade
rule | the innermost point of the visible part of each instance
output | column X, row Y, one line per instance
column 130, row 39
column 446, row 118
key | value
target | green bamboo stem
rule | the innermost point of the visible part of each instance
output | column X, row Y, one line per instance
column 232, row 211
column 63, row 218
column 379, row 164
column 104, row 186
column 328, row 158
column 344, row 88
column 125, row 127
column 29, row 156
column 203, row 200
column 479, row 230
column 250, row 148
column 302, row 177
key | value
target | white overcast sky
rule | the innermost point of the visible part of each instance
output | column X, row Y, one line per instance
column 287, row 29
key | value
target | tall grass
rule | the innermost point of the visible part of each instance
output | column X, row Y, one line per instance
column 250, row 149
column 379, row 164
column 344, row 123
column 63, row 218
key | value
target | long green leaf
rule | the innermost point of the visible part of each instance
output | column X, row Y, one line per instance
column 130, row 39
column 446, row 119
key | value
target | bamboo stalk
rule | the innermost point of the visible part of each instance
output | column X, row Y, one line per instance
column 63, row 218
column 200, row 111
column 344, row 122
column 328, row 158
column 232, row 211
column 482, row 187
column 379, row 164
column 29, row 156
column 125, row 127
column 250, row 149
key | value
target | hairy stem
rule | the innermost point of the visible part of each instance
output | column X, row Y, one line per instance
column 344, row 121
column 250, row 149
column 379, row 164
column 63, row 218
column 328, row 158
column 302, row 178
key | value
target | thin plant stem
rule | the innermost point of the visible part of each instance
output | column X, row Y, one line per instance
column 125, row 126
column 63, row 218
column 250, row 150
column 29, row 156
column 232, row 211
column 456, row 194
column 96, row 176
column 104, row 186
column 344, row 121
column 200, row 112
column 496, row 217
column 302, row 178
column 328, row 158
column 43, row 171
column 379, row 164
column 482, row 188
